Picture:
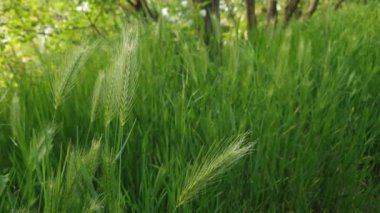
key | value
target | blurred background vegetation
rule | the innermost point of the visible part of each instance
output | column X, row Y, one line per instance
column 29, row 28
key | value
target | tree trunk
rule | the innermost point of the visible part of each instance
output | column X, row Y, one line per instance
column 272, row 13
column 251, row 17
column 338, row 5
column 211, row 20
column 141, row 7
column 313, row 4
column 290, row 8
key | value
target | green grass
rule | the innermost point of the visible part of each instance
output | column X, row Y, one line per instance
column 149, row 123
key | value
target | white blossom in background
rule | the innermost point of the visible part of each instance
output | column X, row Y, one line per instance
column 24, row 59
column 190, row 22
column 2, row 29
column 3, row 20
column 223, row 6
column 184, row 3
column 165, row 12
column 172, row 18
column 84, row 7
column 278, row 7
column 6, row 40
column 202, row 12
column 48, row 30
column 235, row 9
column 224, row 21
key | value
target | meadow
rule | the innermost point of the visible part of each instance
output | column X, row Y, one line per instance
column 288, row 121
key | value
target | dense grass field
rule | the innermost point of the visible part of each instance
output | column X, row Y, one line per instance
column 149, row 122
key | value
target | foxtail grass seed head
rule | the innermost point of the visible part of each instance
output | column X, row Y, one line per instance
column 216, row 162
column 96, row 96
column 122, row 78
column 65, row 78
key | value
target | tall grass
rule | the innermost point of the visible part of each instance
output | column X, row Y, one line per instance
column 136, row 124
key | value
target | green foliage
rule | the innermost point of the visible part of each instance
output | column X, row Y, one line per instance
column 29, row 28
